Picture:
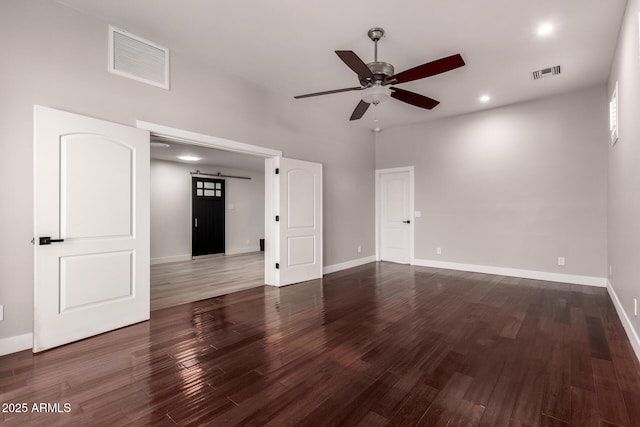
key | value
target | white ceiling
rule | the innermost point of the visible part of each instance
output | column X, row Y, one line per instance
column 210, row 158
column 288, row 45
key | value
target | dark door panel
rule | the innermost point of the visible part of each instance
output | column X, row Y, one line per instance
column 208, row 209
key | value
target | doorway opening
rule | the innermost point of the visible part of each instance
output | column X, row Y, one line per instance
column 207, row 216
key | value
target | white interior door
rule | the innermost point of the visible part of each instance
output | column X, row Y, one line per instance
column 92, row 194
column 395, row 208
column 296, row 240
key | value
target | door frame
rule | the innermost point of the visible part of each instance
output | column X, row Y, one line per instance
column 202, row 140
column 379, row 173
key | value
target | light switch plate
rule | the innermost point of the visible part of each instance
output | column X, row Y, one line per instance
column 417, row 214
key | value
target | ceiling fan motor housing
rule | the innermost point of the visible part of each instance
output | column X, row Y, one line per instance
column 381, row 71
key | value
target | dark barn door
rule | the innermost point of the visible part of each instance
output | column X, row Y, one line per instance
column 208, row 216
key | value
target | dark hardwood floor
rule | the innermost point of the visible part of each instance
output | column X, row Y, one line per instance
column 380, row 344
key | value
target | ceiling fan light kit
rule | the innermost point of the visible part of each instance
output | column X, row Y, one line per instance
column 377, row 76
column 376, row 94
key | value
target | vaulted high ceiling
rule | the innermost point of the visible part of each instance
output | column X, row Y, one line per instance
column 288, row 46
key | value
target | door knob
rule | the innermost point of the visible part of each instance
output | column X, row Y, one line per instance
column 407, row 222
column 48, row 240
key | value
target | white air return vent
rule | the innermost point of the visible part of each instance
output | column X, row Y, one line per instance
column 139, row 59
column 545, row 72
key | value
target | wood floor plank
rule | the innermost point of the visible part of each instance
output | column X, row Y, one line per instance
column 444, row 406
column 584, row 408
column 205, row 277
column 419, row 400
column 467, row 414
column 610, row 399
column 529, row 403
column 557, row 401
column 597, row 339
column 379, row 344
column 547, row 421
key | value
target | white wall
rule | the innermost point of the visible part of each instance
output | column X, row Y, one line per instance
column 512, row 187
column 624, row 174
column 56, row 57
column 171, row 210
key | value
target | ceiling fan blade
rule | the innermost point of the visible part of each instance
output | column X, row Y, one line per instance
column 429, row 69
column 413, row 98
column 354, row 62
column 361, row 108
column 328, row 92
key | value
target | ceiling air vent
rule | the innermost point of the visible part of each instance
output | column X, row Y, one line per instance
column 139, row 59
column 545, row 72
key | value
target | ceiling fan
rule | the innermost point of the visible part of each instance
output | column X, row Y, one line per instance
column 377, row 76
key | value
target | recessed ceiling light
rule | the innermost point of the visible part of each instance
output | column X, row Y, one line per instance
column 485, row 98
column 160, row 145
column 545, row 29
column 189, row 158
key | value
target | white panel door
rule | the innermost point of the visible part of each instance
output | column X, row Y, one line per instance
column 395, row 216
column 300, row 222
column 92, row 195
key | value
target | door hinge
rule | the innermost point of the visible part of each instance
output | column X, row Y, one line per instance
column 277, row 266
column 33, row 241
column 277, row 218
column 277, row 171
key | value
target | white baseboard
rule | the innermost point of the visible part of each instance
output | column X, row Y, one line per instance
column 349, row 264
column 15, row 344
column 245, row 250
column 634, row 339
column 167, row 259
column 515, row 272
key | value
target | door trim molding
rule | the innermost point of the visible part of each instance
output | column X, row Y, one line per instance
column 379, row 173
column 207, row 140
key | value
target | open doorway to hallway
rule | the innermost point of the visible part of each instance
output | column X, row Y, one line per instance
column 178, row 274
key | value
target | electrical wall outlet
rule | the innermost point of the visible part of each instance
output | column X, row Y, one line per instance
column 610, row 271
column 1, row 312
column 635, row 307
column 417, row 214
column 439, row 251
column 560, row 260
column 359, row 249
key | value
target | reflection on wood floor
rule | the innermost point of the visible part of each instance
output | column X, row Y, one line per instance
column 380, row 344
column 187, row 281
